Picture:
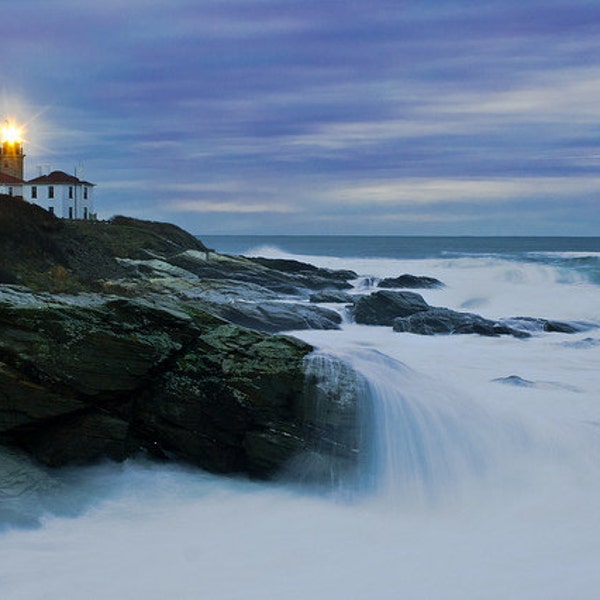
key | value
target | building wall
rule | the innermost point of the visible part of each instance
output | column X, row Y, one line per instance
column 66, row 200
column 11, row 189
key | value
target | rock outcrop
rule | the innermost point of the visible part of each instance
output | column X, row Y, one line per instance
column 88, row 377
column 409, row 312
column 131, row 336
column 408, row 281
column 382, row 307
column 436, row 320
column 333, row 297
column 535, row 324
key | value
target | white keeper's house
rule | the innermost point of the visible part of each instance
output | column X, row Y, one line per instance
column 62, row 194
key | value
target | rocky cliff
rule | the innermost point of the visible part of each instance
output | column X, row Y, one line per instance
column 127, row 337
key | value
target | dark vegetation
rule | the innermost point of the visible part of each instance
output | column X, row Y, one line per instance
column 46, row 253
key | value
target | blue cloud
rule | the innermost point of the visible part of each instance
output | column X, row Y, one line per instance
column 251, row 115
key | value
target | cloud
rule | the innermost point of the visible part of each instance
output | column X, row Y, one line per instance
column 565, row 95
column 435, row 191
column 208, row 206
column 305, row 116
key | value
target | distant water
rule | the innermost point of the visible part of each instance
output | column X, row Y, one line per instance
column 580, row 253
column 399, row 246
column 474, row 487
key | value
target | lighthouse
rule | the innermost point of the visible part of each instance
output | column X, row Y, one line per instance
column 11, row 151
column 61, row 194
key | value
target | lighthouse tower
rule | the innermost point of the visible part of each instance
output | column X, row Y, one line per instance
column 61, row 194
column 11, row 152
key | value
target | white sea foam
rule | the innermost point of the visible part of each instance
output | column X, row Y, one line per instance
column 500, row 502
column 566, row 254
column 495, row 287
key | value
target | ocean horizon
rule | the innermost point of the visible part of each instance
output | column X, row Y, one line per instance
column 386, row 246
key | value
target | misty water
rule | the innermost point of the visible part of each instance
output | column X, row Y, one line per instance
column 480, row 476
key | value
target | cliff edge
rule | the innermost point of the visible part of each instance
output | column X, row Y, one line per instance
column 128, row 336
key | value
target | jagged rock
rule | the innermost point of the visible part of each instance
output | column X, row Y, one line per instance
column 295, row 266
column 332, row 425
column 70, row 370
column 515, row 380
column 532, row 324
column 561, row 327
column 230, row 384
column 518, row 381
column 93, row 349
column 23, row 401
column 84, row 378
column 240, row 302
column 240, row 401
column 585, row 343
column 283, row 277
column 448, row 322
column 81, row 438
column 273, row 316
column 382, row 307
column 332, row 296
column 410, row 282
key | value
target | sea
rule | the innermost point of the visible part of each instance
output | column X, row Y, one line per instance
column 482, row 479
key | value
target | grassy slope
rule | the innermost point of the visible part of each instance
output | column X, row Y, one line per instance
column 44, row 252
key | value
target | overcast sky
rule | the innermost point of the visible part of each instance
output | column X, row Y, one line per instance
column 316, row 116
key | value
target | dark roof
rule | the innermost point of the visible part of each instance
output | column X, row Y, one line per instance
column 9, row 179
column 58, row 177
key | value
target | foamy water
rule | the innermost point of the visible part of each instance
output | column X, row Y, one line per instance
column 474, row 488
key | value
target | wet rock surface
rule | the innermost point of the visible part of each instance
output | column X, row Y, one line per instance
column 408, row 281
column 382, row 307
column 408, row 312
column 84, row 378
column 277, row 316
column 533, row 325
column 436, row 321
column 333, row 297
column 518, row 381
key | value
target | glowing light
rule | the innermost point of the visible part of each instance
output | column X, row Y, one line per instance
column 11, row 133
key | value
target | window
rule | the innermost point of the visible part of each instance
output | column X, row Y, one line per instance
column 51, row 210
column 34, row 192
column 85, row 212
column 85, row 193
column 70, row 212
column 50, row 191
column 71, row 191
column 10, row 191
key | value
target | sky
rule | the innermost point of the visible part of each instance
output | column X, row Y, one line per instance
column 417, row 117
